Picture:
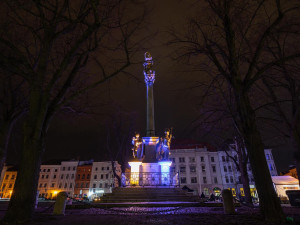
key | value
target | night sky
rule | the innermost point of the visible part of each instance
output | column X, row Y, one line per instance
column 83, row 136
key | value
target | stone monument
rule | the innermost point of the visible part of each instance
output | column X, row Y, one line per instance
column 151, row 165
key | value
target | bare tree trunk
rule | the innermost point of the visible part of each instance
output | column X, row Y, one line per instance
column 269, row 202
column 115, row 174
column 21, row 205
column 5, row 132
column 245, row 182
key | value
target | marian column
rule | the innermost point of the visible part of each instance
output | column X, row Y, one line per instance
column 149, row 80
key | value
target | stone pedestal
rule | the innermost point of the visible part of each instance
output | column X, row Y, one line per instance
column 165, row 172
column 149, row 146
column 228, row 203
column 135, row 172
column 60, row 204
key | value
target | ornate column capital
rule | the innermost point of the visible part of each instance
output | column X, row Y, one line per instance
column 148, row 72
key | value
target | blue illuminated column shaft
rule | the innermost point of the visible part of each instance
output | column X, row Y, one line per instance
column 150, row 132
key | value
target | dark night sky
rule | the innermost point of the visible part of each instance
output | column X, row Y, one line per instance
column 73, row 136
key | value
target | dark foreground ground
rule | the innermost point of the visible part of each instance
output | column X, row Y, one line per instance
column 156, row 215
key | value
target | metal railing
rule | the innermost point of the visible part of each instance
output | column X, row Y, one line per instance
column 150, row 179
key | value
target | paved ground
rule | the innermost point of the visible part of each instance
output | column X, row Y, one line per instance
column 155, row 215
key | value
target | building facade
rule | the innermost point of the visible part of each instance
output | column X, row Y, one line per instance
column 82, row 181
column 48, row 181
column 102, row 178
column 8, row 181
column 206, row 170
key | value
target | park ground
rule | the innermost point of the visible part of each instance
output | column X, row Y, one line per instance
column 155, row 215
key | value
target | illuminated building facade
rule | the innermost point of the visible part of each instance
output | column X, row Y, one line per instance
column 82, row 181
column 102, row 178
column 204, row 169
column 8, row 181
column 48, row 181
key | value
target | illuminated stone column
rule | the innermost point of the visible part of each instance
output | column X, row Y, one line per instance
column 165, row 172
column 134, row 172
column 149, row 80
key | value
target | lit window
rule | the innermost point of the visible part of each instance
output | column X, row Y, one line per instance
column 203, row 168
column 182, row 169
column 193, row 169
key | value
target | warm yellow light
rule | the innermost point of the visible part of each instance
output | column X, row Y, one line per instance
column 55, row 192
column 134, row 174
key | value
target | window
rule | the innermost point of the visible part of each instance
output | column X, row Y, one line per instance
column 62, row 176
column 193, row 180
column 231, row 179
column 96, row 168
column 12, row 177
column 101, row 176
column 60, row 185
column 40, row 185
column 47, row 176
column 78, row 176
column 64, row 168
column 249, row 168
column 106, row 185
column 43, row 176
column 108, row 168
column 44, row 170
column 45, row 185
column 106, row 176
column 95, row 177
column 100, row 185
column 81, row 185
column 53, row 185
column 271, row 167
column 74, row 168
column 268, row 156
column 77, row 185
column 226, row 179
column 48, row 170
column 214, row 169
column 83, row 176
column 203, row 168
column 102, row 168
column 54, row 176
column 225, row 169
column 86, row 185
column 229, row 168
column 10, row 185
column 6, row 177
column 192, row 159
column 183, row 180
column 223, row 158
column 212, row 159
column 215, row 180
column 182, row 169
column 66, row 185
column 88, row 176
column 202, row 159
column 67, row 177
column 72, row 176
column 69, row 168
column 173, row 160
column 181, row 159
column 71, row 185
column 193, row 169
column 94, row 185
column 55, row 170
column 204, row 180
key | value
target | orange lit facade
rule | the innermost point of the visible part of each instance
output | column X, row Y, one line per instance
column 8, row 182
column 291, row 172
column 82, row 181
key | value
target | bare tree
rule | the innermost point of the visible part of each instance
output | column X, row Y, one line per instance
column 51, row 43
column 13, row 105
column 232, row 42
